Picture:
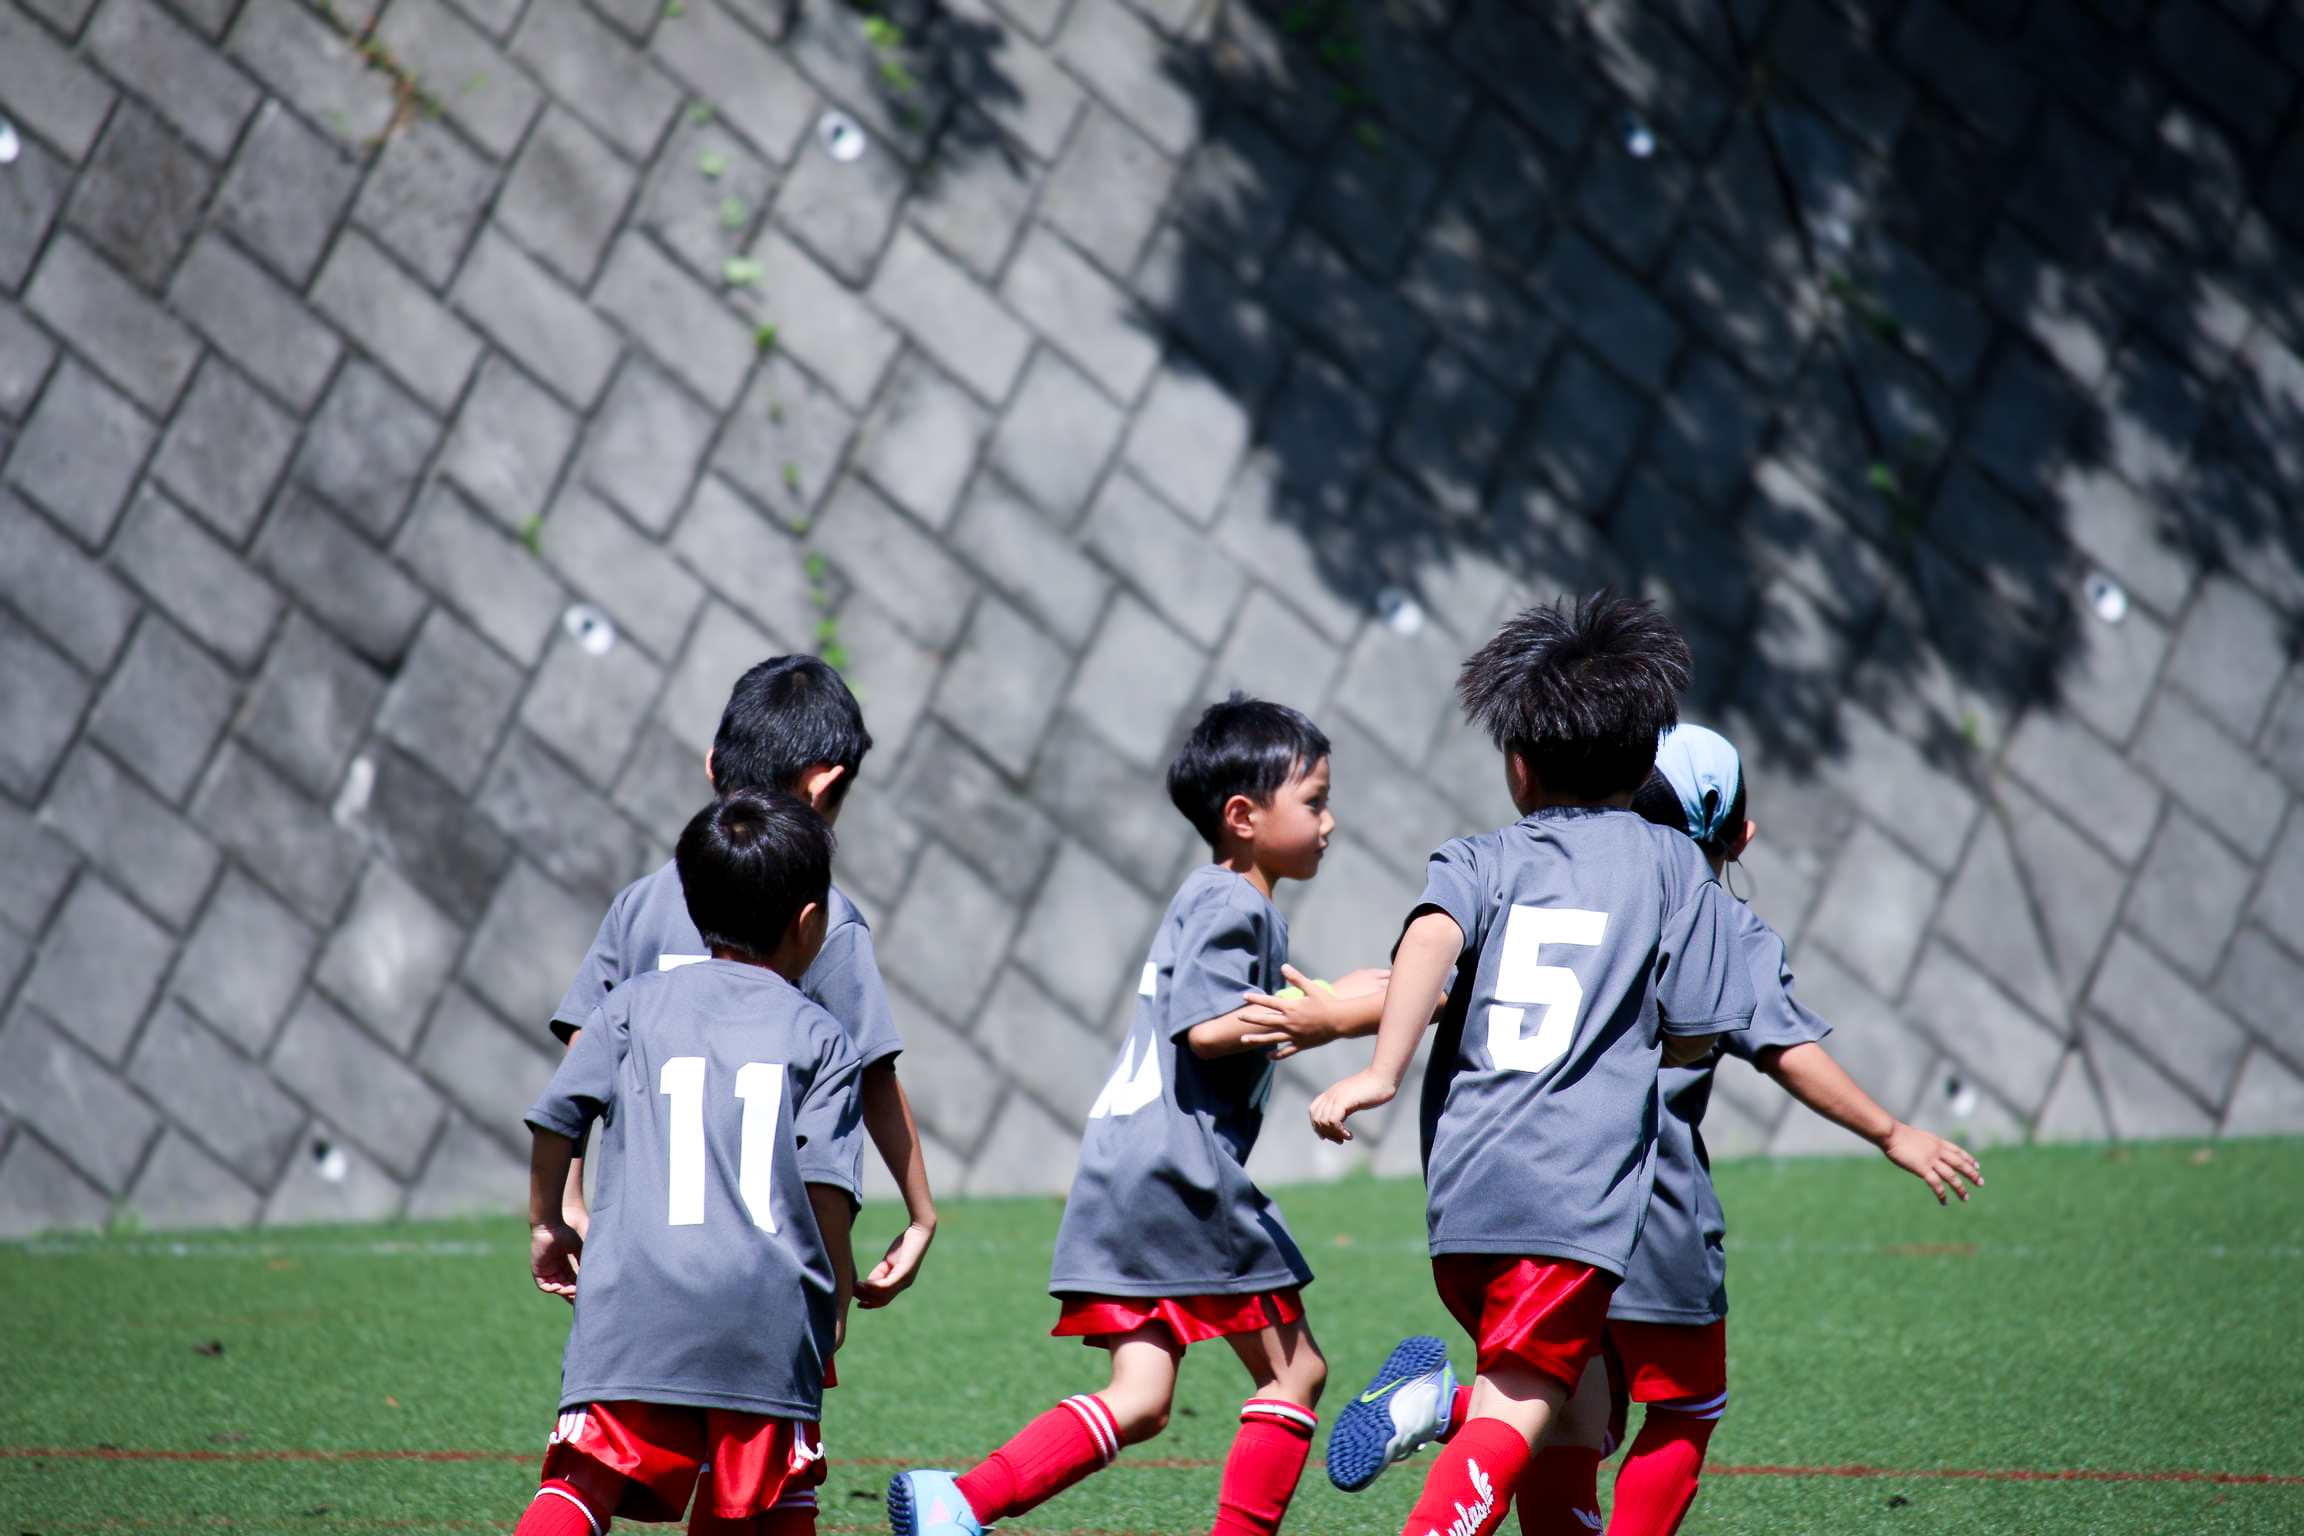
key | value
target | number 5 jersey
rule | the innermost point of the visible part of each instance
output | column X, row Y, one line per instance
column 1588, row 934
column 722, row 1093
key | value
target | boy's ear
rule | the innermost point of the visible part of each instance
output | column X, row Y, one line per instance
column 808, row 924
column 1239, row 816
column 1742, row 840
column 817, row 782
column 710, row 777
column 1520, row 779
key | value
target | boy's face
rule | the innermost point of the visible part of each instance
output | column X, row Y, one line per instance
column 1292, row 831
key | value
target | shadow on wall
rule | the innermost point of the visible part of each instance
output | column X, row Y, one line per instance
column 1864, row 349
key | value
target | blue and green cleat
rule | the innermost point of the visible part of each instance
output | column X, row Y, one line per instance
column 1405, row 1406
column 929, row 1504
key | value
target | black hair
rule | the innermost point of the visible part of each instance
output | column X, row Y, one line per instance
column 749, row 861
column 1242, row 746
column 1580, row 692
column 784, row 716
column 1657, row 801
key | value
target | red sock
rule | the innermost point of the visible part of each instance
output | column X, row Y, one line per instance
column 1047, row 1456
column 794, row 1515
column 1657, row 1482
column 558, row 1510
column 1260, row 1475
column 1559, row 1494
column 1470, row 1485
column 1459, row 1410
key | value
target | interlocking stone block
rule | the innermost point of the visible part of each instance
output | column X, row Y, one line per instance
column 597, row 74
column 30, row 198
column 923, row 442
column 1178, row 569
column 509, row 443
column 588, row 708
column 1085, row 935
column 1026, row 1152
column 2108, row 671
column 1608, row 311
column 255, row 321
column 492, row 1072
column 1030, row 562
column 40, row 866
column 528, row 945
column 1738, row 311
column 98, row 968
column 74, row 1101
column 127, row 336
column 450, row 699
column 483, row 573
column 924, row 589
column 340, row 1070
column 1874, row 910
column 1134, row 682
column 47, row 89
column 2190, row 1039
column 1450, row 431
column 1998, row 1042
column 310, row 706
column 944, row 310
column 1102, row 796
column 355, row 1188
column 721, row 649
column 225, row 450
column 1057, row 436
column 245, row 963
column 72, row 600
column 1988, row 912
column 953, row 792
column 154, row 55
column 281, row 837
column 199, row 582
column 746, row 82
column 953, row 1089
column 2279, row 903
column 842, row 212
column 481, row 91
column 783, row 445
column 427, row 829
column 1521, row 60
column 1187, row 438
column 690, row 211
column 823, row 325
column 26, row 355
column 1392, row 810
column 1042, row 1048
column 341, row 577
column 1371, row 199
column 747, row 560
column 1002, row 685
column 566, row 195
column 2230, row 656
column 2203, row 768
column 163, row 708
column 2259, row 984
column 139, row 199
column 645, row 444
column 1352, row 917
column 1106, row 194
column 644, row 589
column 40, row 1192
column 2187, row 897
column 1116, row 56
column 946, row 938
column 666, row 311
column 469, row 1173
column 2066, row 764
column 1452, row 284
column 402, row 326
column 2233, row 77
column 183, row 1187
column 217, row 1094
column 1375, row 334
column 425, row 197
column 1214, row 313
column 1265, row 526
column 1272, row 653
column 304, row 59
column 974, row 195
column 1401, row 686
column 2267, row 1099
column 285, row 191
column 389, row 956
column 1237, row 193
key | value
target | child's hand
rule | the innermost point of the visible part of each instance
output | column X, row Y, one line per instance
column 554, row 1250
column 1932, row 1158
column 1292, row 1024
column 1362, row 1090
column 897, row 1269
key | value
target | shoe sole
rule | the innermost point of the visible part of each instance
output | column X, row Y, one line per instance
column 903, row 1518
column 1358, row 1445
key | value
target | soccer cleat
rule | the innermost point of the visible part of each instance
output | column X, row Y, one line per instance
column 929, row 1504
column 1405, row 1406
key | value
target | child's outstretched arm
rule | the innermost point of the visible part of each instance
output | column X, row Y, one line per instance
column 1343, row 1009
column 835, row 1214
column 554, row 1246
column 888, row 1119
column 1809, row 1074
column 1420, row 968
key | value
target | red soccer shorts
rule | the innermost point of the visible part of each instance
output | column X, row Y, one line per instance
column 1547, row 1314
column 659, row 1451
column 1191, row 1318
column 1671, row 1362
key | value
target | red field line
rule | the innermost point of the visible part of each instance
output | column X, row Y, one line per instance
column 1179, row 1463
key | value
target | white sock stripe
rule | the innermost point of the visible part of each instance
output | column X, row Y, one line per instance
column 795, row 1501
column 562, row 1493
column 1102, row 1426
column 1269, row 1408
column 1706, row 1408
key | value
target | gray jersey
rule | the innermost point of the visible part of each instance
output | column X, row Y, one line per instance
column 648, row 929
column 1679, row 1273
column 1161, row 1206
column 1588, row 933
column 721, row 1093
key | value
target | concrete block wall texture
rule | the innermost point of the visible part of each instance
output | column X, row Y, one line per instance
column 1939, row 364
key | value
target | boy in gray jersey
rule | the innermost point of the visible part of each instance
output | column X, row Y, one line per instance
column 1165, row 1241
column 1667, row 1322
column 790, row 724
column 1587, row 946
column 716, row 1273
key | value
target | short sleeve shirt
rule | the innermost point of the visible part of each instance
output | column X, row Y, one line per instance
column 1679, row 1273
column 1588, row 934
column 648, row 929
column 1162, row 1205
column 721, row 1094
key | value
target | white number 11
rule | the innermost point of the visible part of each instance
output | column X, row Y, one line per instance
column 760, row 1084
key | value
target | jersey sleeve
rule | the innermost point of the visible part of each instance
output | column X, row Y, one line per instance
column 1779, row 1019
column 845, row 982
column 585, row 1080
column 1453, row 884
column 1217, row 958
column 603, row 967
column 828, row 1120
column 1704, row 986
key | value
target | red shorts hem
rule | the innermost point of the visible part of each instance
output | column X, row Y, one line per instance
column 1550, row 1315
column 1191, row 1318
column 657, row 1452
column 1671, row 1362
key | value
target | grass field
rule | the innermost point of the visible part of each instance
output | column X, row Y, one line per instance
column 2132, row 1316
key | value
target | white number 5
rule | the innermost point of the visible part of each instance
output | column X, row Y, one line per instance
column 760, row 1085
column 1554, row 988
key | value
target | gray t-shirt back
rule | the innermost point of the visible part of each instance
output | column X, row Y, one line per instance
column 721, row 1094
column 1679, row 1273
column 1161, row 1205
column 648, row 929
column 1588, row 934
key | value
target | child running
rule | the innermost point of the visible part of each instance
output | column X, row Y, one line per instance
column 1588, row 946
column 1165, row 1241
column 1667, row 1343
column 716, row 1274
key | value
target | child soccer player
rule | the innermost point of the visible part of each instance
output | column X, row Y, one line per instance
column 715, row 1278
column 1165, row 1241
column 1587, row 944
column 791, row 724
column 1667, row 1323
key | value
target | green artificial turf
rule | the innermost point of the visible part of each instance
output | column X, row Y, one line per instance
column 2129, row 1311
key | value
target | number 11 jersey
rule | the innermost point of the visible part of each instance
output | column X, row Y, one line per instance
column 722, row 1093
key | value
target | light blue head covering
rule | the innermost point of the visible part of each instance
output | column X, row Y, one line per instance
column 1704, row 770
